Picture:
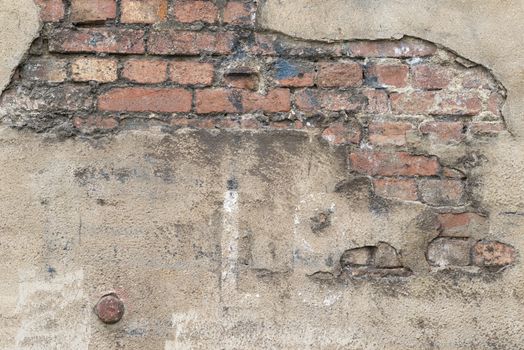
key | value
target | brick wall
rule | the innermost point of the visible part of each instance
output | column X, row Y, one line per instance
column 103, row 66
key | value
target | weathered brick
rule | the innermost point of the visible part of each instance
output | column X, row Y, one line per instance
column 388, row 133
column 94, row 122
column 188, row 11
column 486, row 128
column 357, row 257
column 94, row 69
column 275, row 45
column 418, row 102
column 239, row 13
column 403, row 189
column 493, row 254
column 51, row 10
column 192, row 73
column 393, row 164
column 237, row 101
column 276, row 100
column 339, row 74
column 311, row 100
column 174, row 42
column 64, row 97
column 441, row 192
column 242, row 81
column 385, row 256
column 387, row 75
column 45, row 69
column 457, row 104
column 108, row 40
column 340, row 133
column 495, row 103
column 383, row 48
column 443, row 132
column 377, row 101
column 444, row 252
column 92, row 10
column 462, row 224
column 475, row 78
column 145, row 71
column 135, row 99
column 143, row 11
column 427, row 76
column 288, row 73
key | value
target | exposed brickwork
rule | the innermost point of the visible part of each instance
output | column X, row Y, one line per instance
column 404, row 114
column 92, row 10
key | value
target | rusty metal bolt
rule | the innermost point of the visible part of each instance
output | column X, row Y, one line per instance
column 110, row 309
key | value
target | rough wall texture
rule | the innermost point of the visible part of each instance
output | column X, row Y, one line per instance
column 223, row 186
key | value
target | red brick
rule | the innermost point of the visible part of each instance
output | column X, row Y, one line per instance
column 495, row 103
column 95, row 122
column 403, row 189
column 143, row 11
column 383, row 48
column 441, row 192
column 92, row 10
column 52, row 70
column 145, row 71
column 188, row 11
column 393, row 164
column 218, row 101
column 413, row 103
column 174, row 42
column 388, row 133
column 192, row 73
column 340, row 133
column 51, row 10
column 146, row 100
column 108, row 40
column 476, row 78
column 94, row 69
column 443, row 132
column 276, row 100
column 458, row 104
column 431, row 76
column 387, row 75
column 310, row 100
column 248, row 122
column 377, row 101
column 462, row 224
column 486, row 128
column 237, row 101
column 339, row 74
column 493, row 254
column 238, row 13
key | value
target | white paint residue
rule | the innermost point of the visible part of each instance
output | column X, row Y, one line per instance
column 229, row 243
column 180, row 322
column 53, row 312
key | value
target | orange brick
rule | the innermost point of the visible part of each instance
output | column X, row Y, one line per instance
column 145, row 71
column 146, row 100
column 51, row 10
column 192, row 73
column 92, row 10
